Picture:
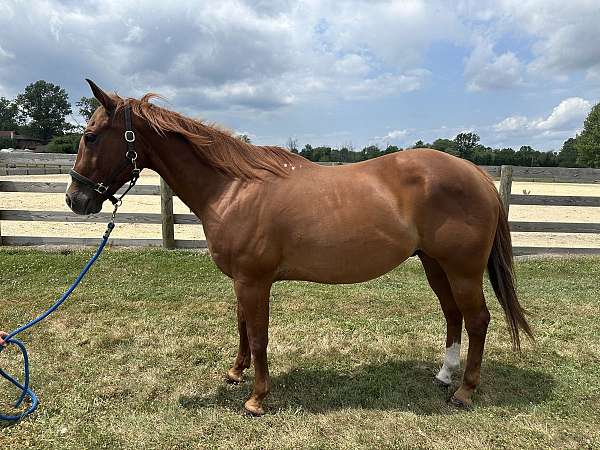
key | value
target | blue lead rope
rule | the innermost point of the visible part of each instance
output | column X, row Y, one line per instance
column 103, row 190
column 24, row 388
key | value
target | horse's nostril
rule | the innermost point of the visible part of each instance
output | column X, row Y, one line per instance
column 68, row 200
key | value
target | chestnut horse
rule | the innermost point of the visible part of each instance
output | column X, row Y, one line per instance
column 270, row 215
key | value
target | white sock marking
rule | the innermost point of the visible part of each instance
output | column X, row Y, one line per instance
column 451, row 363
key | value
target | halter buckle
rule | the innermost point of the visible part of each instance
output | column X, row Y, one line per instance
column 132, row 155
column 101, row 189
column 129, row 136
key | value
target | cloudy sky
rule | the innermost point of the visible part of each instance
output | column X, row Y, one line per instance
column 325, row 72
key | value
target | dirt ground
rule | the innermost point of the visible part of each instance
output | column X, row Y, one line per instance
column 151, row 204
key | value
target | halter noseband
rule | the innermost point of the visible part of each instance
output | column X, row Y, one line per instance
column 131, row 157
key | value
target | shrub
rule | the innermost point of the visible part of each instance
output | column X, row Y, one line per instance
column 7, row 143
column 69, row 143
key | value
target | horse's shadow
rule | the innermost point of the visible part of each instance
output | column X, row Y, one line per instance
column 390, row 385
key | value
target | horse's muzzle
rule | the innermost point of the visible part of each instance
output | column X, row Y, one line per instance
column 83, row 203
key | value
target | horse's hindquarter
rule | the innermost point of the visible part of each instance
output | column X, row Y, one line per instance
column 458, row 216
column 345, row 224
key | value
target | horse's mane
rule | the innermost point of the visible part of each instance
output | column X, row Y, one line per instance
column 217, row 146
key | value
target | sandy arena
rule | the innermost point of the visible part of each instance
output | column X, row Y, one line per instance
column 151, row 204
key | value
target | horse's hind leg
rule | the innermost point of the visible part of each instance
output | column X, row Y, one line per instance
column 440, row 285
column 467, row 290
column 243, row 358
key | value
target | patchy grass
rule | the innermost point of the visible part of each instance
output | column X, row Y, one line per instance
column 136, row 358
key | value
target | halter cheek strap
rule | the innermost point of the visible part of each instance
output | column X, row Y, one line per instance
column 130, row 159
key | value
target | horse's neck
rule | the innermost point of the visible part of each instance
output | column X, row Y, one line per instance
column 197, row 184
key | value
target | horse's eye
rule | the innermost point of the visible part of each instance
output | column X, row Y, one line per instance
column 90, row 137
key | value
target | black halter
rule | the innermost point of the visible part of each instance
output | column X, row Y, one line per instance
column 102, row 188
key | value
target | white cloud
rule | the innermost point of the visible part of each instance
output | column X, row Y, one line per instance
column 397, row 33
column 259, row 96
column 569, row 113
column 511, row 124
column 396, row 134
column 564, row 33
column 593, row 74
column 232, row 53
column 5, row 54
column 393, row 135
column 135, row 34
column 485, row 70
column 386, row 84
column 352, row 64
column 555, row 40
column 565, row 120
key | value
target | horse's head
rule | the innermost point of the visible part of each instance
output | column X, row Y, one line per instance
column 105, row 160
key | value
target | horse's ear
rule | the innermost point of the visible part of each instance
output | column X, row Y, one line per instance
column 105, row 100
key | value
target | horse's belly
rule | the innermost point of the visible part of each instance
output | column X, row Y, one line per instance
column 345, row 260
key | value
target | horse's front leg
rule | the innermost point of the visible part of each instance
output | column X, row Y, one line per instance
column 253, row 301
column 243, row 358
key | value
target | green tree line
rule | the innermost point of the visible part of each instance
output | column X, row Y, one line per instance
column 41, row 112
column 582, row 150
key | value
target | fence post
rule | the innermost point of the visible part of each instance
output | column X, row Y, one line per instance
column 166, row 215
column 506, row 173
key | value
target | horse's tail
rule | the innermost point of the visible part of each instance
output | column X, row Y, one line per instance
column 501, row 272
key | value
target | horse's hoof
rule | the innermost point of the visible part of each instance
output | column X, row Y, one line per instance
column 460, row 404
column 440, row 383
column 252, row 410
column 250, row 414
column 233, row 378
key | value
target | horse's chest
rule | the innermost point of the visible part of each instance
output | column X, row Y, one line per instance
column 235, row 249
column 221, row 253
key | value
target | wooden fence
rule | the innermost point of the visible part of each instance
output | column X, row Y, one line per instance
column 25, row 163
column 167, row 219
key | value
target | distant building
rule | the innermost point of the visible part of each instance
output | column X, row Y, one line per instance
column 21, row 141
column 8, row 134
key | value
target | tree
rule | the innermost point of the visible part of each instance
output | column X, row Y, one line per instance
column 292, row 145
column 445, row 145
column 307, row 152
column 44, row 107
column 568, row 154
column 244, row 138
column 69, row 143
column 504, row 156
column 345, row 154
column 465, row 144
column 9, row 115
column 372, row 151
column 525, row 156
column 391, row 149
column 87, row 106
column 7, row 142
column 483, row 156
column 419, row 144
column 587, row 143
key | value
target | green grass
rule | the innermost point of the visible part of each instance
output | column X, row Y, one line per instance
column 136, row 359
